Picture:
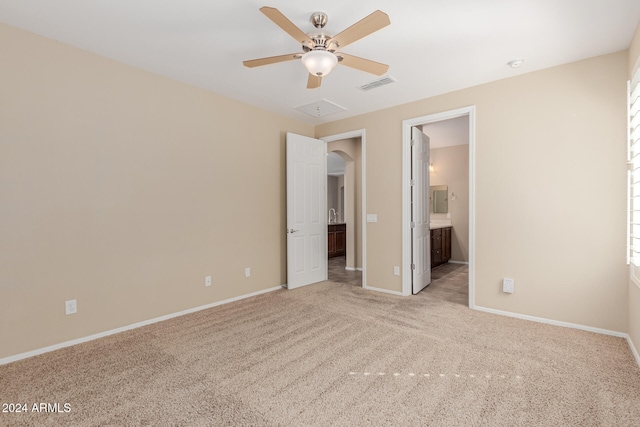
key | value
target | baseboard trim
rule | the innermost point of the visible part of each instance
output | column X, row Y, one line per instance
column 43, row 350
column 353, row 268
column 458, row 262
column 386, row 291
column 634, row 350
column 552, row 322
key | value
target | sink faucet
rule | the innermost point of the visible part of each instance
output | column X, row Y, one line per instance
column 335, row 215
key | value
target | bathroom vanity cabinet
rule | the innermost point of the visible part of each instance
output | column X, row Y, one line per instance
column 440, row 246
column 337, row 239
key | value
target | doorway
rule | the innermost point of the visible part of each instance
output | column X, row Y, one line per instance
column 343, row 188
column 467, row 114
column 348, row 208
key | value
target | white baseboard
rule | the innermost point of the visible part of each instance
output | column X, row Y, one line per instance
column 32, row 353
column 353, row 268
column 386, row 291
column 458, row 262
column 552, row 322
column 43, row 350
column 634, row 350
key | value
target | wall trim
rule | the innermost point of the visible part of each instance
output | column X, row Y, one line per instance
column 386, row 291
column 70, row 343
column 634, row 350
column 553, row 322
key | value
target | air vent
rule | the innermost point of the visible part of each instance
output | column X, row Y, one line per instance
column 377, row 83
column 320, row 108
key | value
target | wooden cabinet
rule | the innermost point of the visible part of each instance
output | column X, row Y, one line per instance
column 440, row 246
column 337, row 240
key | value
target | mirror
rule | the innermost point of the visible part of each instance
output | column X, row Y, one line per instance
column 439, row 199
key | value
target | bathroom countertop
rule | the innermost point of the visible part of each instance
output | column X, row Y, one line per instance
column 439, row 224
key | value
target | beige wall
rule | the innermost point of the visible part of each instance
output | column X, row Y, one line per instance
column 634, row 290
column 123, row 189
column 550, row 190
column 451, row 168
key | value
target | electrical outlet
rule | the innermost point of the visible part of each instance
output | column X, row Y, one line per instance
column 71, row 307
column 207, row 281
column 396, row 271
column 508, row 285
column 247, row 272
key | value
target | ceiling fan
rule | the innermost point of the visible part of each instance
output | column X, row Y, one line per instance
column 319, row 54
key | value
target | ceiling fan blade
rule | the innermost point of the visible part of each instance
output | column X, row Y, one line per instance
column 283, row 22
column 362, row 28
column 313, row 81
column 271, row 60
column 362, row 64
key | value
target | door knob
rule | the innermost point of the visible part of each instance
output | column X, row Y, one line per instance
column 291, row 230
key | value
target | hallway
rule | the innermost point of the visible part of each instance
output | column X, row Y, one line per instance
column 449, row 282
column 337, row 272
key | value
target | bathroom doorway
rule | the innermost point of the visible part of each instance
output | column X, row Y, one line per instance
column 452, row 174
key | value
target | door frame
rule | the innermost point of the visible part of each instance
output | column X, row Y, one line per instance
column 360, row 133
column 469, row 111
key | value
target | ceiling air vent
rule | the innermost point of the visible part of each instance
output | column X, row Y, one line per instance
column 377, row 83
column 320, row 108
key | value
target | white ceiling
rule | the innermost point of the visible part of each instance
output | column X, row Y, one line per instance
column 447, row 133
column 335, row 164
column 431, row 46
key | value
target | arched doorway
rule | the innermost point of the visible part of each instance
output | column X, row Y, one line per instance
column 343, row 195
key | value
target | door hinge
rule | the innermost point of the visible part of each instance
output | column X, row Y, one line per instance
column 413, row 266
column 412, row 182
column 413, row 142
column 413, row 224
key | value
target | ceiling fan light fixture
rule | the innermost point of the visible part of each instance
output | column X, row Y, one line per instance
column 319, row 62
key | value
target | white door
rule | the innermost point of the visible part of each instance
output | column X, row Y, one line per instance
column 420, row 232
column 306, row 210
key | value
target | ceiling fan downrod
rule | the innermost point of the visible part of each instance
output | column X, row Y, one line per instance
column 319, row 19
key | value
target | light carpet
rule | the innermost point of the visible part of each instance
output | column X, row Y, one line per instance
column 333, row 354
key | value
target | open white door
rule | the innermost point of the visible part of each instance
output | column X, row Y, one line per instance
column 420, row 232
column 306, row 210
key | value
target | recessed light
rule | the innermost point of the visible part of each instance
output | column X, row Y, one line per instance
column 515, row 63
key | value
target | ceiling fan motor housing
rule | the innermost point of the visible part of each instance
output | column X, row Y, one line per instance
column 320, row 42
